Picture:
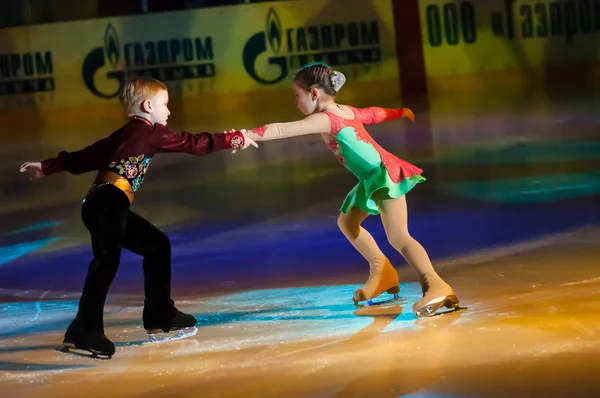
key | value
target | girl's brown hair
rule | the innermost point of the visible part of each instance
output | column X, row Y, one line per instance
column 320, row 75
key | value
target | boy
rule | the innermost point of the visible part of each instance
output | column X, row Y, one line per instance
column 122, row 161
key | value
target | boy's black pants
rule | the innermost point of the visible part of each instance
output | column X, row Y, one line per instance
column 112, row 226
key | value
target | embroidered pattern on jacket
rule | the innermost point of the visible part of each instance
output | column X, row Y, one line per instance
column 133, row 168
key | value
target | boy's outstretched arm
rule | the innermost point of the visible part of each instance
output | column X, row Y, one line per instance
column 78, row 162
column 375, row 114
column 313, row 124
column 201, row 144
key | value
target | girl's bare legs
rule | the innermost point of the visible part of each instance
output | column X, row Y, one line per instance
column 382, row 275
column 436, row 292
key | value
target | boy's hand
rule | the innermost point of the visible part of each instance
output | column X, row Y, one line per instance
column 34, row 169
column 407, row 113
column 247, row 140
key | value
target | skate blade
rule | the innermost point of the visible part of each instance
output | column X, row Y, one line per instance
column 450, row 311
column 69, row 348
column 370, row 303
column 181, row 334
column 443, row 312
column 448, row 305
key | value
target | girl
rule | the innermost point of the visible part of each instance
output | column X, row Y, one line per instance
column 383, row 179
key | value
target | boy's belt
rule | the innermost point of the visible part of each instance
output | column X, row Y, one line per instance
column 116, row 180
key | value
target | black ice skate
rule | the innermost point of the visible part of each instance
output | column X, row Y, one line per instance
column 87, row 342
column 184, row 324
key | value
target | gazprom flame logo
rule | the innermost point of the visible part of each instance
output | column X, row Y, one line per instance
column 269, row 55
column 97, row 59
column 257, row 45
column 273, row 30
column 111, row 45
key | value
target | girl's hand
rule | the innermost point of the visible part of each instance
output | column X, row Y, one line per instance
column 407, row 113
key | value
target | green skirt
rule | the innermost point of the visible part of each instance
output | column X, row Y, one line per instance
column 378, row 182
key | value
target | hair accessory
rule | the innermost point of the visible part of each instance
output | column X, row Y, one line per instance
column 337, row 80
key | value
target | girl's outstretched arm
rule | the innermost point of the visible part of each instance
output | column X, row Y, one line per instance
column 374, row 114
column 317, row 123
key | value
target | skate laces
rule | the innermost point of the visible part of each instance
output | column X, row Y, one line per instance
column 425, row 284
column 375, row 269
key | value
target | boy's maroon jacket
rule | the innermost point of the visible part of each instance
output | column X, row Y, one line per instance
column 136, row 138
column 128, row 151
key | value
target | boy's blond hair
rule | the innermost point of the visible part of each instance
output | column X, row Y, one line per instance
column 137, row 90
